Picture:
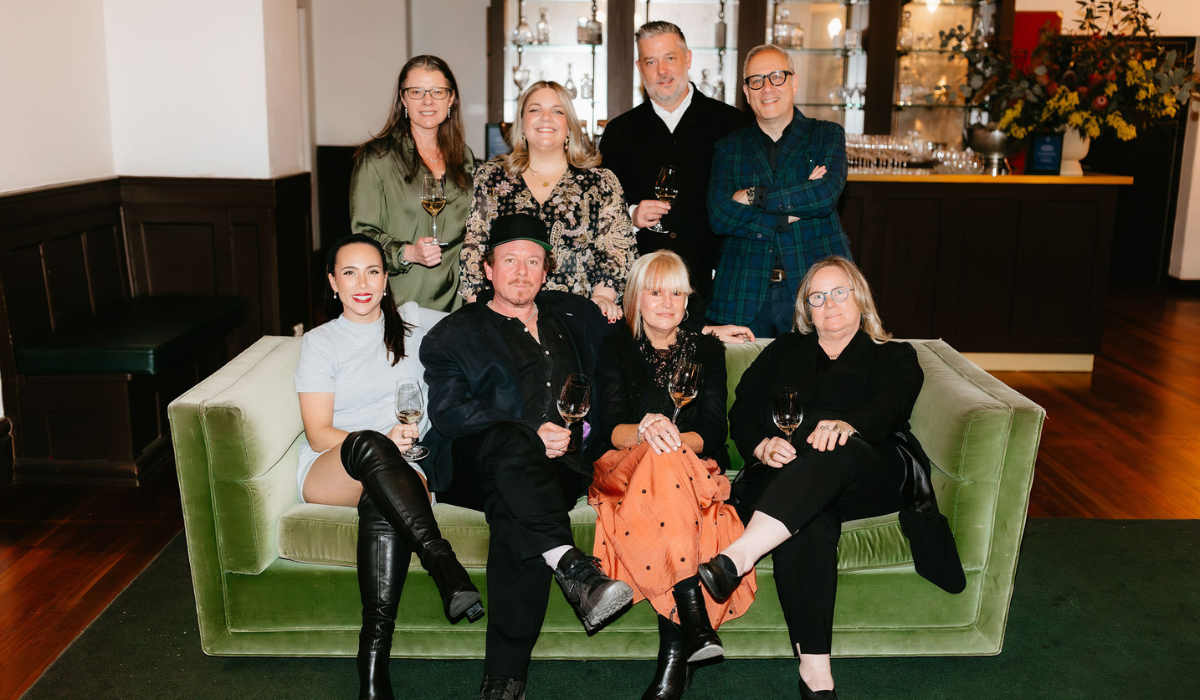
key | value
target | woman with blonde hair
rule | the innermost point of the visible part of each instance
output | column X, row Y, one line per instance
column 553, row 173
column 659, row 489
column 857, row 389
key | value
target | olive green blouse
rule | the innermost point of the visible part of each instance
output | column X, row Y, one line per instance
column 388, row 209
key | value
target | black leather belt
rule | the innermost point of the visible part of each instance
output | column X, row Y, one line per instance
column 778, row 275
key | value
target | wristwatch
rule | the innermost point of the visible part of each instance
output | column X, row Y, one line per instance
column 750, row 194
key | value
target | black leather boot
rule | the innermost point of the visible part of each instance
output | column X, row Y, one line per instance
column 674, row 674
column 382, row 565
column 500, row 688
column 720, row 577
column 400, row 496
column 595, row 597
column 700, row 639
column 807, row 693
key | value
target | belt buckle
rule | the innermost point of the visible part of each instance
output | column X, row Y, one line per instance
column 778, row 275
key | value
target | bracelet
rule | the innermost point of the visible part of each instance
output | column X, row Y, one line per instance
column 640, row 430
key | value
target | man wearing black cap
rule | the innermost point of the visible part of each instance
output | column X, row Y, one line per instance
column 494, row 369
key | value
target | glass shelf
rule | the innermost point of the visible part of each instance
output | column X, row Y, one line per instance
column 952, row 3
column 843, row 3
column 829, row 52
column 917, row 105
column 929, row 52
column 583, row 48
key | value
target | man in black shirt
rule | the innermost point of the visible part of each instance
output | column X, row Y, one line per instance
column 678, row 126
column 494, row 369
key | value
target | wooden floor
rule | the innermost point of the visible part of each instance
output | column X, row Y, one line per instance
column 1122, row 442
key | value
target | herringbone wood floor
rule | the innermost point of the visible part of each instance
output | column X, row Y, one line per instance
column 1121, row 442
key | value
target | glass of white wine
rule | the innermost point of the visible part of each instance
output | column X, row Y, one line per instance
column 666, row 188
column 789, row 412
column 574, row 402
column 410, row 407
column 433, row 198
column 684, row 386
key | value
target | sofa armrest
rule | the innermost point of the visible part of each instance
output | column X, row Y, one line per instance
column 236, row 439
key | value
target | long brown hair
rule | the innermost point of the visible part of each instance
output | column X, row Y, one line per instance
column 394, row 327
column 579, row 150
column 451, row 139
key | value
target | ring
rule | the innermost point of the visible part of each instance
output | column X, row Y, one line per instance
column 772, row 455
column 827, row 427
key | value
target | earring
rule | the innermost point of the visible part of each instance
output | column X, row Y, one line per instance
column 406, row 112
column 335, row 295
column 385, row 292
column 685, row 314
column 567, row 143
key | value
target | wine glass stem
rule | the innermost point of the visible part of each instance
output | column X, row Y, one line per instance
column 435, row 225
column 676, row 413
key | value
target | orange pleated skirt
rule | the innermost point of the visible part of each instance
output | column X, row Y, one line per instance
column 658, row 517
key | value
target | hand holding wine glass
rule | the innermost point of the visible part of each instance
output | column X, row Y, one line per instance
column 666, row 188
column 574, row 402
column 788, row 414
column 410, row 407
column 684, row 386
column 433, row 198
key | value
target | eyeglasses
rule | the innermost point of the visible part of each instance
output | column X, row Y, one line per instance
column 838, row 294
column 438, row 93
column 777, row 78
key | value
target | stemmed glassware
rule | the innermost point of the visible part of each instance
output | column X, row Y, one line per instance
column 574, row 402
column 666, row 188
column 520, row 78
column 684, row 386
column 410, row 406
column 789, row 412
column 433, row 198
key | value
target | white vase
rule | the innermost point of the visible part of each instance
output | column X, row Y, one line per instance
column 1074, row 149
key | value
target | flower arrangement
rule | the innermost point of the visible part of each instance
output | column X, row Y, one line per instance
column 1110, row 77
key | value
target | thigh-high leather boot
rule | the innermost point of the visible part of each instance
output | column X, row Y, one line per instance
column 399, row 494
column 382, row 565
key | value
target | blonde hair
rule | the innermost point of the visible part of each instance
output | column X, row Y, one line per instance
column 579, row 149
column 661, row 270
column 862, row 297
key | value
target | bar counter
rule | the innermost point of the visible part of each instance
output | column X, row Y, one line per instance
column 1012, row 269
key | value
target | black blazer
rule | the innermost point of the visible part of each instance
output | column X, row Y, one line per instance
column 873, row 387
column 637, row 144
column 473, row 378
column 625, row 392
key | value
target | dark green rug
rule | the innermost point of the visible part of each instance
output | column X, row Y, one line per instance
column 1102, row 609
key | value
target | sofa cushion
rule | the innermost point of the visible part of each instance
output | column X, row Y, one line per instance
column 145, row 335
column 318, row 534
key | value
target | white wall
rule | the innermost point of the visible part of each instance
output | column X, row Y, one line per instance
column 456, row 31
column 287, row 137
column 187, row 88
column 358, row 49
column 54, row 107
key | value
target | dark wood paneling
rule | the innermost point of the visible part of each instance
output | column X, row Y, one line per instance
column 621, row 54
column 883, row 24
column 496, row 41
column 981, row 276
column 752, row 31
column 910, row 238
column 71, row 251
column 335, row 164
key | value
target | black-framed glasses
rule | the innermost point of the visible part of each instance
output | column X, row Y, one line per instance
column 438, row 93
column 777, row 78
column 838, row 294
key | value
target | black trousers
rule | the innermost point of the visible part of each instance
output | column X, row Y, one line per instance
column 526, row 498
column 813, row 496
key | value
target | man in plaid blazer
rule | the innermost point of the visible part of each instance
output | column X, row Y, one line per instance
column 773, row 199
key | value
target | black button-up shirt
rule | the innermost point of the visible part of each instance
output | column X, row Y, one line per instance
column 772, row 147
column 542, row 367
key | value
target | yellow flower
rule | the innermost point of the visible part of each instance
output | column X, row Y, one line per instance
column 1110, row 88
column 1125, row 130
column 1012, row 113
column 1149, row 63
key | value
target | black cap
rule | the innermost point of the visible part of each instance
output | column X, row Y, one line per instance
column 519, row 227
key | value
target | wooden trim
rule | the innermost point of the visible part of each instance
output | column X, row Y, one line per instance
column 620, row 57
column 752, row 31
column 1002, row 180
column 6, row 451
column 495, row 61
column 883, row 23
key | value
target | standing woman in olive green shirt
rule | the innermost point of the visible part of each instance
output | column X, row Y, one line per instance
column 424, row 134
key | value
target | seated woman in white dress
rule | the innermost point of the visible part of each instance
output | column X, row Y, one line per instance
column 347, row 378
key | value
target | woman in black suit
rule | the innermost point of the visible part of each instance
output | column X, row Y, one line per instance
column 857, row 390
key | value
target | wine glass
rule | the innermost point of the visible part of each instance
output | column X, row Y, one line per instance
column 410, row 406
column 685, row 384
column 574, row 401
column 789, row 412
column 666, row 188
column 433, row 198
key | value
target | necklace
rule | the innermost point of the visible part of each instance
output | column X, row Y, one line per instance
column 546, row 182
column 526, row 321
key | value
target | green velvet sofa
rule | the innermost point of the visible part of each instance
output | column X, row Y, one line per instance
column 275, row 577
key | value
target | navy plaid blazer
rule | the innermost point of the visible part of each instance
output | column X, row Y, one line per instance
column 748, row 233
